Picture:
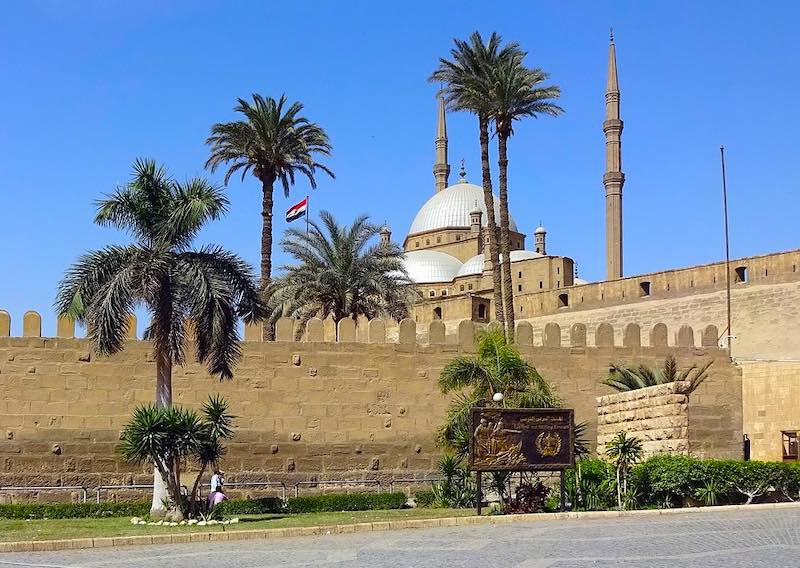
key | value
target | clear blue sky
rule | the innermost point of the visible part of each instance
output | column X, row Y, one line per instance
column 89, row 86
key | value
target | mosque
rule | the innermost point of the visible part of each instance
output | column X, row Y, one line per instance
column 446, row 251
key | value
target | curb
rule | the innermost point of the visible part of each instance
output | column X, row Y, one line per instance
column 267, row 534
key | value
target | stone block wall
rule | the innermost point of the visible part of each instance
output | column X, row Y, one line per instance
column 669, row 421
column 656, row 415
column 771, row 399
column 356, row 408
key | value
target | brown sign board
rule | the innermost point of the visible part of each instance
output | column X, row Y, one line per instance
column 522, row 439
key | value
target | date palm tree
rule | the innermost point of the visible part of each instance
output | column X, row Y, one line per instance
column 497, row 367
column 466, row 86
column 516, row 92
column 275, row 143
column 342, row 273
column 210, row 288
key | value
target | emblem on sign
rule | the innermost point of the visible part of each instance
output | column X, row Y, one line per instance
column 548, row 444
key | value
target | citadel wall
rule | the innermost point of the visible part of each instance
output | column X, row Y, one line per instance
column 355, row 408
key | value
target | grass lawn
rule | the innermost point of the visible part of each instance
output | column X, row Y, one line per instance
column 40, row 529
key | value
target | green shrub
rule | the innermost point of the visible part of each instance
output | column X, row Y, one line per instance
column 424, row 498
column 593, row 489
column 680, row 480
column 250, row 506
column 73, row 510
column 346, row 502
column 668, row 479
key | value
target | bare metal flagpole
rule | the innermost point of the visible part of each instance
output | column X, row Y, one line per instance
column 727, row 246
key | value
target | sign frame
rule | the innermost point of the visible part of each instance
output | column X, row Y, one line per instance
column 558, row 418
column 545, row 445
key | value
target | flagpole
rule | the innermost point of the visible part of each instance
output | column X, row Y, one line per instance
column 308, row 212
column 727, row 247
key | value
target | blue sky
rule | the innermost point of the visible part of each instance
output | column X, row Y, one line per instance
column 90, row 86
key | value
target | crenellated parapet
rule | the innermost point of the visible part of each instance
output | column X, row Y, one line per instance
column 409, row 332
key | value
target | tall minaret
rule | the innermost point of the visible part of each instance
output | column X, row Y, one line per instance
column 614, row 179
column 441, row 169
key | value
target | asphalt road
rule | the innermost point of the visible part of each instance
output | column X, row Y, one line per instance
column 752, row 539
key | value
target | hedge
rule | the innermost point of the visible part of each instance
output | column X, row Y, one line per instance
column 425, row 498
column 250, row 506
column 680, row 480
column 346, row 502
column 73, row 510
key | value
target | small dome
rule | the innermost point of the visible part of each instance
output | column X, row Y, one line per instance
column 472, row 267
column 451, row 208
column 579, row 282
column 539, row 231
column 428, row 266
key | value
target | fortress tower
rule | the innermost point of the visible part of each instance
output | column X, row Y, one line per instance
column 613, row 179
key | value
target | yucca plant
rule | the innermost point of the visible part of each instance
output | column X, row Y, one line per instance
column 168, row 436
column 624, row 452
column 710, row 493
column 622, row 378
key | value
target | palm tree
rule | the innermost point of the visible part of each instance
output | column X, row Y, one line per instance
column 516, row 92
column 497, row 367
column 624, row 453
column 342, row 273
column 625, row 379
column 466, row 87
column 209, row 288
column 275, row 144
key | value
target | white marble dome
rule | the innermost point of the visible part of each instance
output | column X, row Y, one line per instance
column 451, row 208
column 472, row 267
column 429, row 266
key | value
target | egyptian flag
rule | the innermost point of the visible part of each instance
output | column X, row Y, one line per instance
column 297, row 211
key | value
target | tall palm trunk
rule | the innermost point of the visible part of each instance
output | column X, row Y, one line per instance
column 267, row 182
column 163, row 400
column 163, row 391
column 505, row 234
column 491, row 223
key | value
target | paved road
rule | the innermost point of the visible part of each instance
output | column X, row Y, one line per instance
column 752, row 539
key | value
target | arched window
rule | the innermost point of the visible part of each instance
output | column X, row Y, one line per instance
column 741, row 274
column 644, row 289
column 437, row 313
column 563, row 300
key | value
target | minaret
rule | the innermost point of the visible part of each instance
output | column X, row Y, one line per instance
column 386, row 235
column 539, row 238
column 441, row 169
column 614, row 179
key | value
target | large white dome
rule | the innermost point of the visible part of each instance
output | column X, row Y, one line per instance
column 451, row 207
column 429, row 266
